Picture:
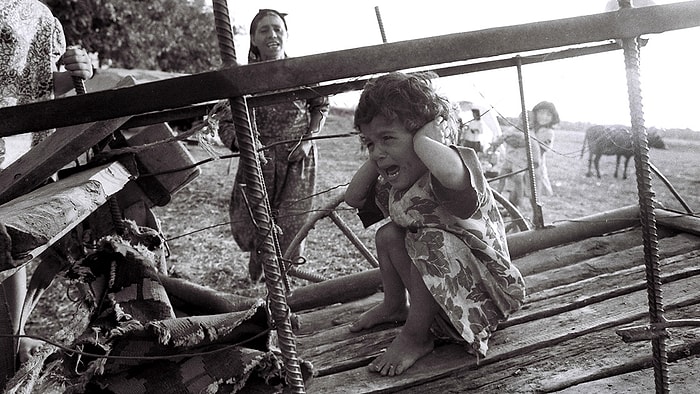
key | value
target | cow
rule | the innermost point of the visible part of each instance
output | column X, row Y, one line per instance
column 613, row 140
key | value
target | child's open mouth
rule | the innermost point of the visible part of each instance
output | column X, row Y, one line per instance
column 391, row 172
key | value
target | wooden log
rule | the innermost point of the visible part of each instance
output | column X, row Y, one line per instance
column 572, row 253
column 329, row 292
column 332, row 66
column 526, row 242
column 38, row 219
column 678, row 221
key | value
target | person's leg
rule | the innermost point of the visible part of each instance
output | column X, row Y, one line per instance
column 16, row 291
column 544, row 185
column 394, row 265
column 255, row 269
column 415, row 339
column 517, row 190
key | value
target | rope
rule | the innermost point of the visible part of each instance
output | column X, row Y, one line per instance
column 646, row 207
column 268, row 249
column 177, row 356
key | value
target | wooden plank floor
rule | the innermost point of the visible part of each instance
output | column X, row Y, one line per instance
column 562, row 340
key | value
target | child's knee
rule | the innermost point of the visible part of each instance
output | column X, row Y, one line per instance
column 389, row 234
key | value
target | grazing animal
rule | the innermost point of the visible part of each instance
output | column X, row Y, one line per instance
column 613, row 140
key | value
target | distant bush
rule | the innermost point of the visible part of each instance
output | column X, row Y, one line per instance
column 342, row 111
column 680, row 134
column 673, row 133
column 168, row 35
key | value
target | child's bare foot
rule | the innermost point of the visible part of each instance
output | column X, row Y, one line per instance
column 378, row 315
column 27, row 348
column 402, row 354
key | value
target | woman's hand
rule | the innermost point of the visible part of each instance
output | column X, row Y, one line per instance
column 77, row 63
column 300, row 151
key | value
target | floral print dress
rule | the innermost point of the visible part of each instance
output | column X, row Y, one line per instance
column 31, row 43
column 290, row 185
column 462, row 256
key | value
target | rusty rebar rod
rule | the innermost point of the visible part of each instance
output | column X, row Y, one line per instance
column 380, row 23
column 257, row 195
column 646, row 207
column 537, row 216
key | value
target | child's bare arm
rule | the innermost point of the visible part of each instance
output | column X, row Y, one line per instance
column 358, row 190
column 442, row 161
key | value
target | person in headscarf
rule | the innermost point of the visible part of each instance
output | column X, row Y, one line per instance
column 290, row 169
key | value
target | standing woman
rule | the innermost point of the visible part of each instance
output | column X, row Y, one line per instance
column 290, row 169
column 545, row 118
column 32, row 45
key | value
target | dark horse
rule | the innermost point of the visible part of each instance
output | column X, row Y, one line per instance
column 613, row 140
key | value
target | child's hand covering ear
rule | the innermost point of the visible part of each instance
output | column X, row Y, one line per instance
column 433, row 130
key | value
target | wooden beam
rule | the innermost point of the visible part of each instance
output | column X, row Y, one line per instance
column 52, row 154
column 38, row 219
column 526, row 242
column 442, row 71
column 200, row 110
column 314, row 69
column 57, row 150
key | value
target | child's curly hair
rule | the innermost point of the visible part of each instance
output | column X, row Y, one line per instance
column 410, row 98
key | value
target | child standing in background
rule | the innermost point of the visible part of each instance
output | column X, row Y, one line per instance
column 545, row 118
column 445, row 243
